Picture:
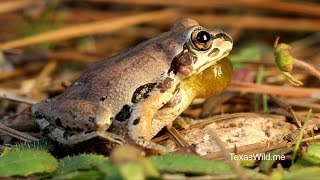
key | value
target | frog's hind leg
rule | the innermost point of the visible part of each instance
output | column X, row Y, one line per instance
column 68, row 138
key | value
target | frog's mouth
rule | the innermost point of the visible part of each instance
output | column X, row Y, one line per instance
column 220, row 50
column 213, row 61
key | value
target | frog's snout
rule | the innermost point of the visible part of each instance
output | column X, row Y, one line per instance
column 222, row 44
column 223, row 36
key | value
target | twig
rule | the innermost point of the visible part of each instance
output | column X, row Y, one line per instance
column 16, row 5
column 12, row 97
column 19, row 71
column 246, row 87
column 306, row 103
column 294, row 7
column 306, row 42
column 39, row 82
column 309, row 69
column 180, row 141
column 204, row 122
column 287, row 108
column 17, row 134
column 238, row 22
column 98, row 27
column 297, row 145
column 255, row 22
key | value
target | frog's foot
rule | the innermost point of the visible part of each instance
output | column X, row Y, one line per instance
column 70, row 138
column 141, row 133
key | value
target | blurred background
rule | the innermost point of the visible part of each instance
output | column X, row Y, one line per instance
column 46, row 44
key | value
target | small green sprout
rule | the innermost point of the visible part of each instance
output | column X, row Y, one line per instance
column 285, row 61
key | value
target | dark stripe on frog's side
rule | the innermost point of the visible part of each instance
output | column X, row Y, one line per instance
column 124, row 113
column 142, row 92
column 184, row 58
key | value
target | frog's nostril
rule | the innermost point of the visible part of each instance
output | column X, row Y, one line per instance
column 224, row 36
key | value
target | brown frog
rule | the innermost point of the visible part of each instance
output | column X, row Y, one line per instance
column 146, row 87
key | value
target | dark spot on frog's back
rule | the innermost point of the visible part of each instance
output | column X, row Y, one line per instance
column 92, row 119
column 124, row 113
column 103, row 98
column 136, row 121
column 142, row 92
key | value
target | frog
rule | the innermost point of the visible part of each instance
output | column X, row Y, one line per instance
column 145, row 87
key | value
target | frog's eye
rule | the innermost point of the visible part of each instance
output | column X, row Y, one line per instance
column 201, row 39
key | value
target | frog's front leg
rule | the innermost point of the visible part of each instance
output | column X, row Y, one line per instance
column 68, row 138
column 140, row 129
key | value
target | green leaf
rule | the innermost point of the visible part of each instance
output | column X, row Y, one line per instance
column 110, row 170
column 266, row 165
column 300, row 164
column 80, row 162
column 26, row 162
column 79, row 175
column 148, row 167
column 312, row 155
column 132, row 170
column 304, row 173
column 191, row 164
column 249, row 53
column 45, row 145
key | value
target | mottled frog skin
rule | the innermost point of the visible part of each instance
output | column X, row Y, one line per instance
column 147, row 87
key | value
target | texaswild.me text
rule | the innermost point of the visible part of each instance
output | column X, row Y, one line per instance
column 258, row 156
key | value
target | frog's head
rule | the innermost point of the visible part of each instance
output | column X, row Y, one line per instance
column 200, row 48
